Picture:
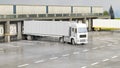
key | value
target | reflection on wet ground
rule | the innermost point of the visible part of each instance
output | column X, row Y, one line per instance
column 49, row 53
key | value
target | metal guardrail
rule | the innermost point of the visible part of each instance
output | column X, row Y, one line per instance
column 12, row 16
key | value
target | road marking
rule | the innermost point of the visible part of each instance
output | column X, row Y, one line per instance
column 114, row 57
column 40, row 61
column 84, row 67
column 105, row 60
column 85, row 50
column 75, row 52
column 102, row 46
column 95, row 63
column 95, row 48
column 53, row 58
column 23, row 65
column 65, row 55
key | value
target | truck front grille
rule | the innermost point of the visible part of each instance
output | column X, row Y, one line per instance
column 83, row 40
column 82, row 36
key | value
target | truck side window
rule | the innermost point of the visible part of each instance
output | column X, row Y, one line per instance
column 72, row 29
column 75, row 30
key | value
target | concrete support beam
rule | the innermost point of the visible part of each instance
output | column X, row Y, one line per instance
column 19, row 31
column 89, row 24
column 7, row 31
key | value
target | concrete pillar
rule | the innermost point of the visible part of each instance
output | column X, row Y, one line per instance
column 70, row 19
column 89, row 24
column 19, row 31
column 27, row 15
column 37, row 15
column 7, row 31
column 84, row 20
column 77, row 21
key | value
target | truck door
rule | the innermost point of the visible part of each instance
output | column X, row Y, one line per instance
column 73, row 32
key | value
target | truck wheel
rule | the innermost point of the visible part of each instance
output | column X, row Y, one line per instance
column 73, row 42
column 61, row 39
column 29, row 37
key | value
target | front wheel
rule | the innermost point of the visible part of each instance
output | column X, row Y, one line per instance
column 73, row 42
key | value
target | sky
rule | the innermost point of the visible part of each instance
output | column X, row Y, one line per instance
column 105, row 3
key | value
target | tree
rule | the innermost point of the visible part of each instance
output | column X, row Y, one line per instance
column 111, row 13
column 105, row 13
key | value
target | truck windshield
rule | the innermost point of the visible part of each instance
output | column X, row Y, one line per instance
column 82, row 30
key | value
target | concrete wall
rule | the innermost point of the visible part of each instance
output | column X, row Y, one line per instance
column 13, row 29
column 40, row 9
column 30, row 9
column 10, row 30
column 97, row 9
column 59, row 9
column 6, row 9
column 80, row 9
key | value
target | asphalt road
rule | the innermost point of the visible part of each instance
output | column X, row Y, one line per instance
column 102, row 51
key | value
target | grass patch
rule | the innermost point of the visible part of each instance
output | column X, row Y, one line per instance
column 117, row 18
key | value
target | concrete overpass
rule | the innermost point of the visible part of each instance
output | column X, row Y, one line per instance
column 18, row 19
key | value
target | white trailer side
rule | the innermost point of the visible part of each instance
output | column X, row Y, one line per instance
column 106, row 24
column 46, row 28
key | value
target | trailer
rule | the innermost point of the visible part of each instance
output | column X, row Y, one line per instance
column 75, row 33
column 106, row 24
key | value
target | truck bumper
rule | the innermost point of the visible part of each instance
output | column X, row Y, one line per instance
column 82, row 41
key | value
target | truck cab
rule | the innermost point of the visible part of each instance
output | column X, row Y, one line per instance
column 78, row 34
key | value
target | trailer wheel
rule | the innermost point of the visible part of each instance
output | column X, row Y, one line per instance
column 73, row 41
column 61, row 39
column 29, row 37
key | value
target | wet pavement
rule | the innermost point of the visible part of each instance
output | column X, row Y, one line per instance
column 102, row 51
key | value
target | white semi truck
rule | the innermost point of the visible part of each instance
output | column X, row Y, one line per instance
column 110, row 24
column 75, row 33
